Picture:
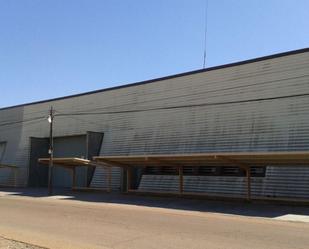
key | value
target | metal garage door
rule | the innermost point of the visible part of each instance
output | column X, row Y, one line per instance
column 72, row 146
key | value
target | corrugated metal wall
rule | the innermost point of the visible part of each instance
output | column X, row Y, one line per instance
column 242, row 108
column 99, row 179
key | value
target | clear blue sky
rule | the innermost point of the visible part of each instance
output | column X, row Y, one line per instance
column 52, row 48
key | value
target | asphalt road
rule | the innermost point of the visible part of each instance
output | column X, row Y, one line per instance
column 62, row 223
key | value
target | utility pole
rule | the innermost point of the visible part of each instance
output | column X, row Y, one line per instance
column 50, row 151
column 205, row 34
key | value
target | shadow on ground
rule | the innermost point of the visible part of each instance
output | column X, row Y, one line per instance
column 254, row 209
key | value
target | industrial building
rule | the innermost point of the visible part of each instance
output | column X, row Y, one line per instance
column 252, row 113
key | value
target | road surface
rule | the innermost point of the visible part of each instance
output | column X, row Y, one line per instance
column 64, row 223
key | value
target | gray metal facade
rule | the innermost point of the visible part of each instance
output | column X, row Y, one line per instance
column 257, row 106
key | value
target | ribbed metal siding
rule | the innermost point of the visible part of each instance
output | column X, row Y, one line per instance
column 279, row 182
column 201, row 184
column 100, row 176
column 280, row 124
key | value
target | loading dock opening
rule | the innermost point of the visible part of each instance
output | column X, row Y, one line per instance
column 244, row 160
column 79, row 145
column 11, row 167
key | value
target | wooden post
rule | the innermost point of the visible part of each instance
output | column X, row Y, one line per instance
column 51, row 152
column 109, row 180
column 73, row 177
column 128, row 179
column 15, row 177
column 86, row 178
column 248, row 174
column 180, row 171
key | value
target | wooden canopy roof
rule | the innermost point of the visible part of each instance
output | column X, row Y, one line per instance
column 239, row 159
column 69, row 162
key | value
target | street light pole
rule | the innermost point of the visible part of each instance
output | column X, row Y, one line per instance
column 50, row 151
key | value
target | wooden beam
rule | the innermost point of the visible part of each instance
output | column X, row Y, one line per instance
column 283, row 158
column 211, row 154
column 229, row 160
column 98, row 164
column 164, row 162
column 116, row 164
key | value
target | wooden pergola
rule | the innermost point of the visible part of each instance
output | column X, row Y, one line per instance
column 243, row 160
column 72, row 163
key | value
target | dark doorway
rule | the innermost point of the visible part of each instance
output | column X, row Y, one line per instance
column 81, row 146
column 94, row 143
column 38, row 175
column 69, row 146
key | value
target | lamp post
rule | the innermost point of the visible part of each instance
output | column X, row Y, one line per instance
column 50, row 151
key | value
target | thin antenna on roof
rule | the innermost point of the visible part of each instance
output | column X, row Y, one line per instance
column 205, row 33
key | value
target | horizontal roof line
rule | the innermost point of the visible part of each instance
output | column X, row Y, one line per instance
column 298, row 51
column 236, row 153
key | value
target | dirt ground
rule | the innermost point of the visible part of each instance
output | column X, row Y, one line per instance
column 12, row 244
